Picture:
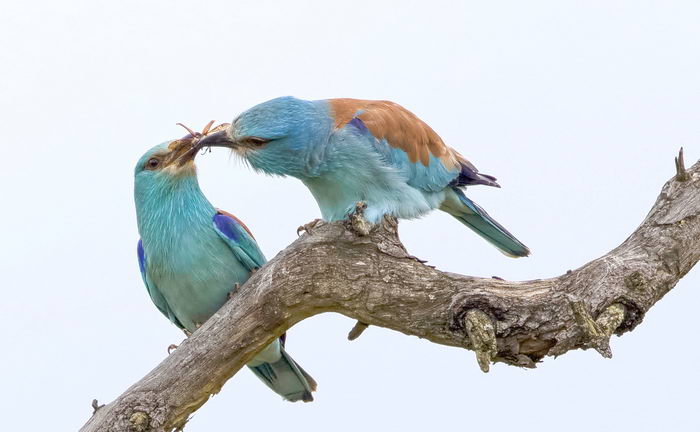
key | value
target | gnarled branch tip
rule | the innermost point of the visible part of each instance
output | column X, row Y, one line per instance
column 681, row 172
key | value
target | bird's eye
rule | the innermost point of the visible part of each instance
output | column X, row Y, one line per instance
column 254, row 141
column 153, row 163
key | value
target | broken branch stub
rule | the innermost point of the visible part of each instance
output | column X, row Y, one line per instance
column 596, row 333
column 482, row 336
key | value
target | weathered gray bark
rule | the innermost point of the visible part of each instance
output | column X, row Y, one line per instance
column 373, row 279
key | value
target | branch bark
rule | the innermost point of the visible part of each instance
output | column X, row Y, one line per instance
column 373, row 279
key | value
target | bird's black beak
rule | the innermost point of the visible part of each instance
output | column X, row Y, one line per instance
column 216, row 139
column 190, row 145
column 182, row 151
column 187, row 154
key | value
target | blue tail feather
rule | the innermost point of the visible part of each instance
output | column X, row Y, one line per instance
column 476, row 218
column 286, row 378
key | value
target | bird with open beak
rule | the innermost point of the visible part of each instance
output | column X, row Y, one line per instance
column 349, row 150
column 193, row 256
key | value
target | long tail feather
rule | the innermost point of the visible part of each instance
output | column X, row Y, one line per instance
column 286, row 378
column 472, row 215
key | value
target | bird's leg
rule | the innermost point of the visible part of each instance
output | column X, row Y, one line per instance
column 235, row 288
column 308, row 227
column 357, row 220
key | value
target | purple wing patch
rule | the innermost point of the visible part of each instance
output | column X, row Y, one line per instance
column 469, row 176
column 359, row 124
column 239, row 239
column 142, row 257
column 224, row 224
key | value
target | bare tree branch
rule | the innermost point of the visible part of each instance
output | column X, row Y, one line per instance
column 373, row 279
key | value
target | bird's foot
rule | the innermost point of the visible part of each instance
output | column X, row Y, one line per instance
column 233, row 291
column 357, row 220
column 171, row 347
column 308, row 227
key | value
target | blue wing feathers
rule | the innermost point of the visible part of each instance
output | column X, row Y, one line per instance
column 142, row 258
column 227, row 226
column 432, row 178
column 153, row 292
column 240, row 241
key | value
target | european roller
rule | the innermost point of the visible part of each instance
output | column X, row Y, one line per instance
column 377, row 152
column 192, row 256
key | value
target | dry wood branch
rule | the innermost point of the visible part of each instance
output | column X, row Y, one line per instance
column 357, row 330
column 374, row 280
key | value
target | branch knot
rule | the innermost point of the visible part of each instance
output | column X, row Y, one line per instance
column 597, row 333
column 139, row 422
column 482, row 335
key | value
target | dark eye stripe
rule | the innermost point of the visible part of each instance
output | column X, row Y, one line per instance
column 254, row 141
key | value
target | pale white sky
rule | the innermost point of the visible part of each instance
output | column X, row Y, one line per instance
column 577, row 107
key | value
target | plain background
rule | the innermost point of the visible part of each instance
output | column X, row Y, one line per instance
column 577, row 107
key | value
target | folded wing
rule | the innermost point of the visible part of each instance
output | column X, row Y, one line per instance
column 407, row 143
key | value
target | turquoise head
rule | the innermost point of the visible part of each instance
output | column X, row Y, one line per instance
column 278, row 137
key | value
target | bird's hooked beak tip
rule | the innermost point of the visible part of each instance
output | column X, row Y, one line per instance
column 219, row 138
column 186, row 149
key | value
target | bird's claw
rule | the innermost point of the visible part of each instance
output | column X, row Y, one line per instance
column 233, row 291
column 171, row 347
column 308, row 227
